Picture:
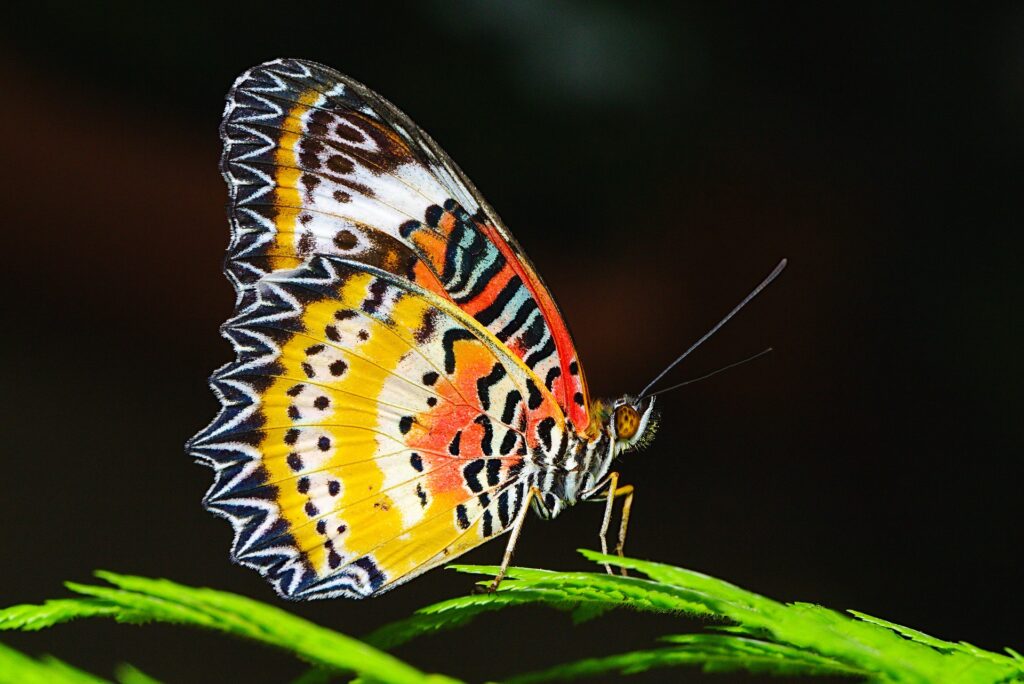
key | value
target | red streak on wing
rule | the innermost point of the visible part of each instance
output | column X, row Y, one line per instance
column 559, row 332
column 490, row 292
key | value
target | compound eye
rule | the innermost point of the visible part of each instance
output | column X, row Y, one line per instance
column 627, row 421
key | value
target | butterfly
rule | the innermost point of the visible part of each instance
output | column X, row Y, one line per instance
column 404, row 388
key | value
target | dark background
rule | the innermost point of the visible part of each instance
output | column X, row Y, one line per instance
column 655, row 160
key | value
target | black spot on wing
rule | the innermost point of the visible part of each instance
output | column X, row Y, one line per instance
column 519, row 498
column 512, row 400
column 533, row 334
column 462, row 517
column 488, row 436
column 503, row 507
column 405, row 424
column 508, row 442
column 433, row 215
column 484, row 384
column 416, row 461
column 493, row 471
column 533, row 395
column 408, row 228
column 471, row 474
column 544, row 429
column 553, row 374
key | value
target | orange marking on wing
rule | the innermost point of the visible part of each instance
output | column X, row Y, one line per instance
column 432, row 246
column 450, row 417
column 425, row 278
column 447, row 223
column 489, row 293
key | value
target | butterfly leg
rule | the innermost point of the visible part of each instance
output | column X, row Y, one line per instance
column 613, row 481
column 627, row 505
column 615, row 492
column 514, row 539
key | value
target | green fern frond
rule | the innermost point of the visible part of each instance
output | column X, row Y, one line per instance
column 584, row 594
column 749, row 632
column 138, row 599
column 18, row 668
column 759, row 634
column 129, row 674
column 709, row 652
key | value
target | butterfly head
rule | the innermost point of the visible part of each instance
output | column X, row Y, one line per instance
column 632, row 422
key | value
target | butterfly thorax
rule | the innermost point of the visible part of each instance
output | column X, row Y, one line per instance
column 572, row 474
column 580, row 470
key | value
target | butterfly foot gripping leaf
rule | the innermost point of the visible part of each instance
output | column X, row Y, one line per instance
column 404, row 386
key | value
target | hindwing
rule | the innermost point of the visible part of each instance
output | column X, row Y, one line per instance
column 370, row 431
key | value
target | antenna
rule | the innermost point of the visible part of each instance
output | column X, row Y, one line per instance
column 712, row 373
column 756, row 291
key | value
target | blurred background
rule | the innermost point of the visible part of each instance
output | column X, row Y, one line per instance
column 655, row 160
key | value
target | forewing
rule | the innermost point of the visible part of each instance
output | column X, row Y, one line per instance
column 318, row 164
column 370, row 431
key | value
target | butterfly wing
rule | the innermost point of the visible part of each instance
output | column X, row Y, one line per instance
column 371, row 430
column 318, row 164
